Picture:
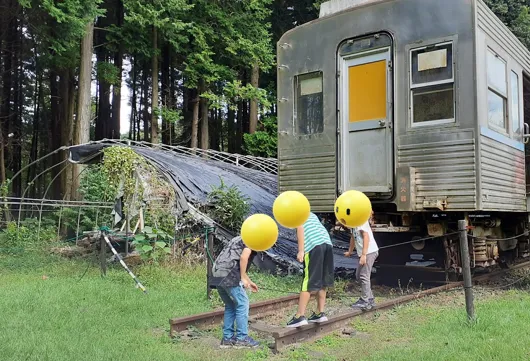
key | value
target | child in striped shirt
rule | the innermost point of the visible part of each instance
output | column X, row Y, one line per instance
column 315, row 250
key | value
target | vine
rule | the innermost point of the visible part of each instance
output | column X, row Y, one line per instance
column 119, row 164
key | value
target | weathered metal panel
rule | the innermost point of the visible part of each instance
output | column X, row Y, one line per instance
column 445, row 169
column 312, row 174
column 503, row 184
column 495, row 29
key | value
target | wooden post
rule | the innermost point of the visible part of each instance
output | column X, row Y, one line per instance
column 466, row 269
column 127, row 230
column 209, row 263
column 103, row 254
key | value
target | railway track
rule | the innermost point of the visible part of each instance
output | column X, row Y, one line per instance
column 284, row 336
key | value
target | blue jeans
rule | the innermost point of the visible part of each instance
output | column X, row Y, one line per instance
column 236, row 310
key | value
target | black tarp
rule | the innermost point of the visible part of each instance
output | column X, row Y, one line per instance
column 194, row 177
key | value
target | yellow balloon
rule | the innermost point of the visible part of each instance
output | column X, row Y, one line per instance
column 353, row 208
column 259, row 232
column 291, row 209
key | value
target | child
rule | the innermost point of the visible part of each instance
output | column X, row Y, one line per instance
column 316, row 251
column 230, row 273
column 363, row 240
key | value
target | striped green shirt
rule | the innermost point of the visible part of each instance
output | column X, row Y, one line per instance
column 314, row 233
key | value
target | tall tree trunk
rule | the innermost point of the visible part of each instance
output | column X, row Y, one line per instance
column 145, row 112
column 195, row 122
column 8, row 27
column 231, row 127
column 118, row 63
column 205, row 138
column 18, row 103
column 154, row 102
column 166, row 92
column 239, row 127
column 132, row 121
column 35, row 125
column 187, row 108
column 254, row 81
column 82, row 127
column 68, row 89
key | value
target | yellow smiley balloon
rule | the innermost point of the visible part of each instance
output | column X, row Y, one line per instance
column 291, row 209
column 259, row 232
column 353, row 208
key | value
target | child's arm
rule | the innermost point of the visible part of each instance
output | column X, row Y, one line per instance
column 243, row 263
column 352, row 246
column 366, row 243
column 300, row 236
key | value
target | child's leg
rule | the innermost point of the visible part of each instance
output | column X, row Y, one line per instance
column 321, row 300
column 302, row 303
column 370, row 259
column 241, row 311
column 327, row 276
column 229, row 314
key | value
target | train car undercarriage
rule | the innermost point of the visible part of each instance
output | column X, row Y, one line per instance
column 425, row 246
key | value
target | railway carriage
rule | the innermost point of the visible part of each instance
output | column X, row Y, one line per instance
column 423, row 105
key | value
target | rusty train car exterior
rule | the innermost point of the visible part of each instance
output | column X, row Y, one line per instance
column 424, row 105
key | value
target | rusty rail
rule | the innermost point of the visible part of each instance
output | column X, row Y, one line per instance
column 208, row 319
column 284, row 337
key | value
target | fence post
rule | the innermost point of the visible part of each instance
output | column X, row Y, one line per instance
column 466, row 269
column 209, row 265
column 103, row 254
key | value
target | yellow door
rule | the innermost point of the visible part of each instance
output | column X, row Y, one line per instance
column 367, row 91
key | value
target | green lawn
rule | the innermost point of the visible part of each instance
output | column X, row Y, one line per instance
column 64, row 318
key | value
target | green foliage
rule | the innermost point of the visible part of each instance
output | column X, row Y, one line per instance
column 263, row 142
column 229, row 206
column 515, row 15
column 152, row 244
column 28, row 235
column 234, row 92
column 119, row 164
column 109, row 73
column 170, row 115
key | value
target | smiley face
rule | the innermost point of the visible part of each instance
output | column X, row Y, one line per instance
column 353, row 208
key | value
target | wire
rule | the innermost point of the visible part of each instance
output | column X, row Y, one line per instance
column 418, row 240
column 498, row 239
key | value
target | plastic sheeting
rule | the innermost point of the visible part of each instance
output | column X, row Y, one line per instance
column 194, row 177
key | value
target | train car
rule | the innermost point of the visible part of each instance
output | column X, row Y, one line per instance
column 423, row 105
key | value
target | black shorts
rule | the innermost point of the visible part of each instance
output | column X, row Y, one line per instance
column 319, row 269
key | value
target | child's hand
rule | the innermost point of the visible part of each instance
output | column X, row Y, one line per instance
column 362, row 260
column 347, row 254
column 253, row 286
column 300, row 256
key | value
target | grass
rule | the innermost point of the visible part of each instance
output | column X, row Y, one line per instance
column 63, row 317
column 49, row 313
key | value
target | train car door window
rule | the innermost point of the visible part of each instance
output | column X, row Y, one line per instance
column 309, row 104
column 432, row 84
column 497, row 92
column 514, row 109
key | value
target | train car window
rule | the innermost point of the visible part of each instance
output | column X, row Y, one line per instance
column 432, row 84
column 309, row 104
column 497, row 91
column 432, row 64
column 515, row 113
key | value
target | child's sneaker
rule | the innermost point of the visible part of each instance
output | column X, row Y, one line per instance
column 246, row 342
column 227, row 342
column 320, row 317
column 363, row 305
column 297, row 321
column 372, row 301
